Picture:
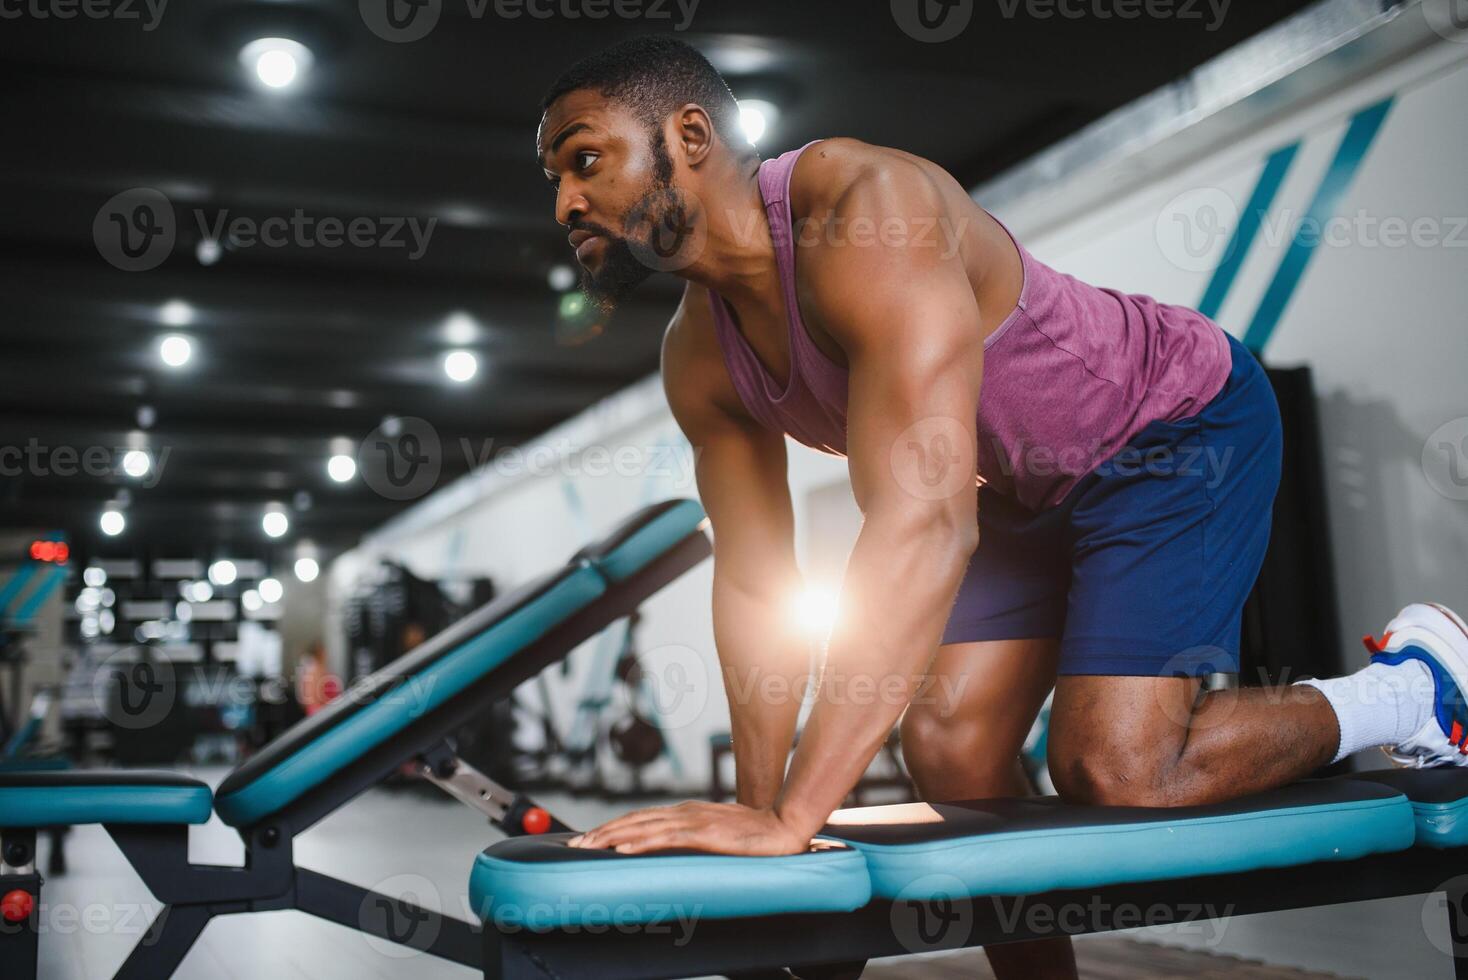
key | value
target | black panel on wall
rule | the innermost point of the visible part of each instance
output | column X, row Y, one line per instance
column 1291, row 622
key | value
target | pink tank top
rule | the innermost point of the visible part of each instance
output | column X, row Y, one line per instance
column 1070, row 376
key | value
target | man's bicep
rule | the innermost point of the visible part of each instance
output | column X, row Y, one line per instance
column 912, row 424
column 909, row 324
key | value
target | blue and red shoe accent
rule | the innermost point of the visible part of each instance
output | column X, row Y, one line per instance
column 1435, row 637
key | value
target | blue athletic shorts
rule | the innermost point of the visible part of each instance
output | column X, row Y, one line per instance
column 1144, row 567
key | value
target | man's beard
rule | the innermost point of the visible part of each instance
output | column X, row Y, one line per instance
column 620, row 272
column 621, row 269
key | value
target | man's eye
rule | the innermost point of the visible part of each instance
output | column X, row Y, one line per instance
column 585, row 158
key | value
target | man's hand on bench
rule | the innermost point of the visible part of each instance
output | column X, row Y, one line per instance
column 718, row 828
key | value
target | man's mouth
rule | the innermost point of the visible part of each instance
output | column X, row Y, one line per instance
column 584, row 242
column 584, row 250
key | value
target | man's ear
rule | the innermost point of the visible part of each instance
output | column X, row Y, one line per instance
column 693, row 133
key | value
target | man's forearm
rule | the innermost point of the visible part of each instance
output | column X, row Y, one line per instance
column 765, row 668
column 898, row 592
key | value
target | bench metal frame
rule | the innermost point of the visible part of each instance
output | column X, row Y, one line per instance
column 839, row 944
column 269, row 879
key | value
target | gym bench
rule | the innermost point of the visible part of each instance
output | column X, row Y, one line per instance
column 894, row 880
column 405, row 713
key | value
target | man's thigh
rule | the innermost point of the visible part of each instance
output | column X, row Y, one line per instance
column 963, row 731
column 998, row 685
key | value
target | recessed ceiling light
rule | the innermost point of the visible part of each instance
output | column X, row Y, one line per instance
column 136, row 463
column 341, row 468
column 113, row 523
column 276, row 63
column 460, row 365
column 175, row 349
column 275, row 523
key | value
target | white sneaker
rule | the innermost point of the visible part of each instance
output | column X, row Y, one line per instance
column 1438, row 638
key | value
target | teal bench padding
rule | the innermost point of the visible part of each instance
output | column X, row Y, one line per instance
column 648, row 542
column 1079, row 847
column 374, row 723
column 59, row 798
column 539, row 883
column 945, row 850
column 1439, row 801
column 1442, row 824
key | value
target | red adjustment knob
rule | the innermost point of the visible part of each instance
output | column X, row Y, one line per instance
column 535, row 821
column 16, row 906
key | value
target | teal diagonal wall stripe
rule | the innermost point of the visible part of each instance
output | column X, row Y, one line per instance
column 1338, row 176
column 53, row 577
column 18, row 581
column 1250, row 221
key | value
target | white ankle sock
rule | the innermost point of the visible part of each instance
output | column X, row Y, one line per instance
column 1380, row 704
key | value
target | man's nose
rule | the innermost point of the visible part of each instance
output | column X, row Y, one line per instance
column 570, row 206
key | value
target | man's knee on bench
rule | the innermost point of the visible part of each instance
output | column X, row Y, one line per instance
column 938, row 744
column 1106, row 768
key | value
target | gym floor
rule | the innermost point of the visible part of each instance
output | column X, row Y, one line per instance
column 396, row 839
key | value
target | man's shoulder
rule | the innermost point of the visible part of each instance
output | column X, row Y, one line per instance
column 831, row 170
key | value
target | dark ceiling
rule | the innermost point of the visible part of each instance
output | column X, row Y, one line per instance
column 296, row 347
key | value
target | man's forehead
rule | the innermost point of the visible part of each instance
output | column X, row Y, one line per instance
column 581, row 108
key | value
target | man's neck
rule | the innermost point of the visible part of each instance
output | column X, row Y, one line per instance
column 738, row 257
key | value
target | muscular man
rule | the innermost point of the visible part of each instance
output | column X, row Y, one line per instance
column 1121, row 456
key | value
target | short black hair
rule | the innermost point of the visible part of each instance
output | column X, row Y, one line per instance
column 654, row 75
